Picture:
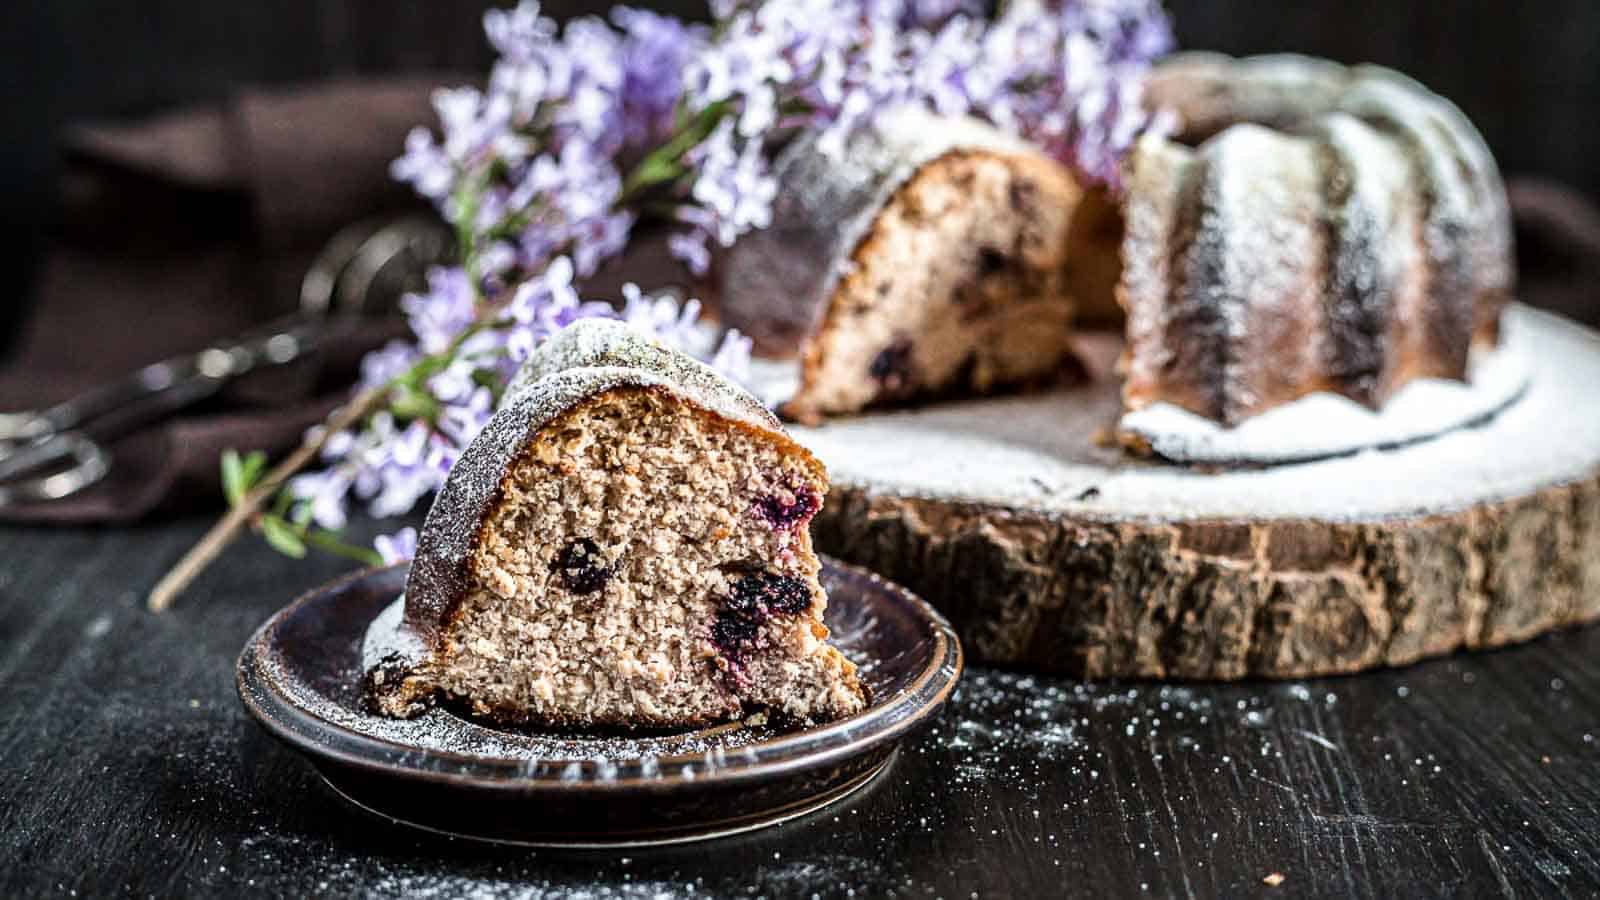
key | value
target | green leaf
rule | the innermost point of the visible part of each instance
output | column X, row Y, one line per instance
column 665, row 163
column 282, row 502
column 281, row 536
column 233, row 481
column 240, row 473
column 255, row 462
column 656, row 169
column 409, row 403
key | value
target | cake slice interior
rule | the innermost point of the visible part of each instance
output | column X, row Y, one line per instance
column 960, row 287
column 641, row 561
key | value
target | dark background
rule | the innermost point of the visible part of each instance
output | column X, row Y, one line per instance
column 1527, row 73
column 1453, row 778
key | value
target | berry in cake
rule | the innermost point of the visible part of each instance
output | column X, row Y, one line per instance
column 625, row 545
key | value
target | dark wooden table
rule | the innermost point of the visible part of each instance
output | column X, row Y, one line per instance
column 127, row 766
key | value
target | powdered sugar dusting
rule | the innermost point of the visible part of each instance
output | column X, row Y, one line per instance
column 612, row 344
column 1039, row 452
column 1322, row 425
column 1337, row 228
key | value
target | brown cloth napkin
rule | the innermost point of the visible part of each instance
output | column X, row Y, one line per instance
column 1558, row 248
column 191, row 226
column 188, row 228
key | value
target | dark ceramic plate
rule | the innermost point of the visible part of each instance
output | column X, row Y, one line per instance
column 300, row 676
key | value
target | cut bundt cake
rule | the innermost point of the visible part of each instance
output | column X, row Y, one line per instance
column 624, row 545
column 1312, row 227
column 931, row 257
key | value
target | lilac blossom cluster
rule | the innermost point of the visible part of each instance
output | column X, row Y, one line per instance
column 530, row 171
column 532, row 168
column 582, row 128
column 1064, row 74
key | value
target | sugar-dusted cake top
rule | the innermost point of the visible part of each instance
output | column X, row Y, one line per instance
column 597, row 344
column 584, row 360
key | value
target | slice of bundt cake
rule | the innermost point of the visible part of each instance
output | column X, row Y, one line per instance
column 932, row 257
column 625, row 545
column 1312, row 228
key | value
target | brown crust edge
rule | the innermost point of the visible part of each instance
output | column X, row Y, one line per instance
column 1232, row 599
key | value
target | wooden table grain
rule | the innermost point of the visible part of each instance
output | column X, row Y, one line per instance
column 128, row 767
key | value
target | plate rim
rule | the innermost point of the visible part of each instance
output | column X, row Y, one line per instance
column 253, row 685
column 632, row 840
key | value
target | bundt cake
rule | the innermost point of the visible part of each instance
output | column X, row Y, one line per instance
column 1311, row 227
column 625, row 545
column 933, row 257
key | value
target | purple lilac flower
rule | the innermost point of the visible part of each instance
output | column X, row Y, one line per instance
column 387, row 363
column 446, row 309
column 518, row 34
column 325, row 491
column 690, row 248
column 655, row 51
column 662, row 316
column 387, row 465
column 545, row 304
column 735, row 184
column 732, row 356
column 678, row 324
column 424, row 166
column 398, row 547
column 462, row 421
column 474, row 124
column 459, row 378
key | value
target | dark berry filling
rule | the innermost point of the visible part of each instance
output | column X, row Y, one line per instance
column 756, row 599
column 991, row 261
column 735, row 627
column 581, row 567
column 793, row 504
column 777, row 595
column 892, row 366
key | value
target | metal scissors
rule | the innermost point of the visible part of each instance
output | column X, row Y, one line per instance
column 55, row 452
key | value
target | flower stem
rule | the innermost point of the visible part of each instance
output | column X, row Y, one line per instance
column 664, row 163
column 203, row 553
column 329, row 542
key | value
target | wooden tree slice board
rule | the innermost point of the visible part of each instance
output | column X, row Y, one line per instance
column 1051, row 550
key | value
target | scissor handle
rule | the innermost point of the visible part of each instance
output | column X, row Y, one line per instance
column 34, row 443
column 168, row 384
column 89, row 463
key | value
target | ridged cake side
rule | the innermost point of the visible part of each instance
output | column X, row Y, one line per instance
column 1316, row 228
